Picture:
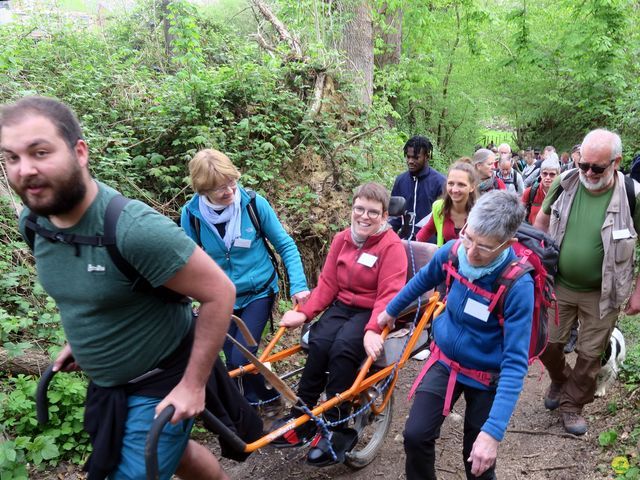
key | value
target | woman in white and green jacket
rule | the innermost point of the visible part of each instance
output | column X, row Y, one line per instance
column 449, row 213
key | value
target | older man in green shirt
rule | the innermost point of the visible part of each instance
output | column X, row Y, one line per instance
column 588, row 213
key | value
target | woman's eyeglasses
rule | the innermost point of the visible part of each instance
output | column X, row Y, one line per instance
column 469, row 242
column 597, row 169
column 224, row 188
column 548, row 174
column 372, row 214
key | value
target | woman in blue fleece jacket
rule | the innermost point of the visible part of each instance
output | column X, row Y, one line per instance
column 228, row 235
column 492, row 360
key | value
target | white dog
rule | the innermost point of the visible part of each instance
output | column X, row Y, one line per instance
column 611, row 361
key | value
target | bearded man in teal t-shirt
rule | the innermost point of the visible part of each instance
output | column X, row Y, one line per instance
column 115, row 334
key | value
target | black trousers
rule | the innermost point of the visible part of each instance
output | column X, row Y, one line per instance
column 425, row 419
column 255, row 315
column 335, row 354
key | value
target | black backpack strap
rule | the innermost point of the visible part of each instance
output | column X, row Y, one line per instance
column 630, row 189
column 253, row 213
column 255, row 220
column 194, row 222
column 111, row 216
column 532, row 195
column 30, row 226
column 139, row 283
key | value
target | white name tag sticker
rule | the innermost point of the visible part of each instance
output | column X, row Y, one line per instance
column 242, row 243
column 367, row 260
column 477, row 309
column 620, row 234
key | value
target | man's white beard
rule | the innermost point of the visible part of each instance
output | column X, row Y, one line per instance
column 600, row 185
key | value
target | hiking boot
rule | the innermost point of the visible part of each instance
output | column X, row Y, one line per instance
column 573, row 339
column 296, row 437
column 574, row 423
column 552, row 396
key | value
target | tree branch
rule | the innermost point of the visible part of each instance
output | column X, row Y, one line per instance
column 283, row 33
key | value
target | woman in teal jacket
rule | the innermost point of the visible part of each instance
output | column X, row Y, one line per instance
column 218, row 219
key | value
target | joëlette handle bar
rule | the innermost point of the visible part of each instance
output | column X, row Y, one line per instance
column 42, row 402
column 212, row 423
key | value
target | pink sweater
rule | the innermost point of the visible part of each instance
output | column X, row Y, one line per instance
column 356, row 284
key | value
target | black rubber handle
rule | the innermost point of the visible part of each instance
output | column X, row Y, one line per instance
column 212, row 423
column 42, row 402
column 151, row 445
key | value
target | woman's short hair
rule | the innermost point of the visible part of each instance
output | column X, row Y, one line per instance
column 550, row 164
column 374, row 192
column 497, row 214
column 209, row 169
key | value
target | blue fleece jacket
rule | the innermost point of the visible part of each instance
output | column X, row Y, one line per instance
column 422, row 190
column 477, row 344
column 250, row 268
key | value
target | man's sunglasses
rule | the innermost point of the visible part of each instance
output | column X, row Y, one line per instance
column 597, row 169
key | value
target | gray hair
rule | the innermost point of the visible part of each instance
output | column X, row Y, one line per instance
column 504, row 145
column 497, row 214
column 505, row 161
column 601, row 134
column 551, row 163
column 482, row 155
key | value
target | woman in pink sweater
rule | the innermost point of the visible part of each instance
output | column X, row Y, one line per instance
column 365, row 267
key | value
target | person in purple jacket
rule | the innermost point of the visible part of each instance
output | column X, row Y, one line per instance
column 472, row 353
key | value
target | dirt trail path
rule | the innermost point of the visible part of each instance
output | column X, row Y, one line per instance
column 523, row 454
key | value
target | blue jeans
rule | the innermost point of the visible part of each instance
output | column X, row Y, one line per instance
column 171, row 445
column 255, row 315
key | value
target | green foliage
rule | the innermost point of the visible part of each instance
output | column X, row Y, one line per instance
column 630, row 370
column 608, row 438
column 62, row 438
column 632, row 474
column 28, row 317
column 146, row 109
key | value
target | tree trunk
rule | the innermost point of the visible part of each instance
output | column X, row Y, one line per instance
column 168, row 37
column 32, row 362
column 445, row 85
column 357, row 43
column 391, row 34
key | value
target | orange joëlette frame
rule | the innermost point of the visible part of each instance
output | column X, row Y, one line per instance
column 361, row 383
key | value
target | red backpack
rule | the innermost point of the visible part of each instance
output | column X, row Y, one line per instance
column 537, row 254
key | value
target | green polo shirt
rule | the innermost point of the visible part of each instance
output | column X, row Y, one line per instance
column 582, row 251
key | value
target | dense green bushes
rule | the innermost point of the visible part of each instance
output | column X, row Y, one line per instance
column 145, row 114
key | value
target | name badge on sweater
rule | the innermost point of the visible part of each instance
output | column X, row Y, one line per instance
column 367, row 260
column 242, row 243
column 477, row 309
column 620, row 234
